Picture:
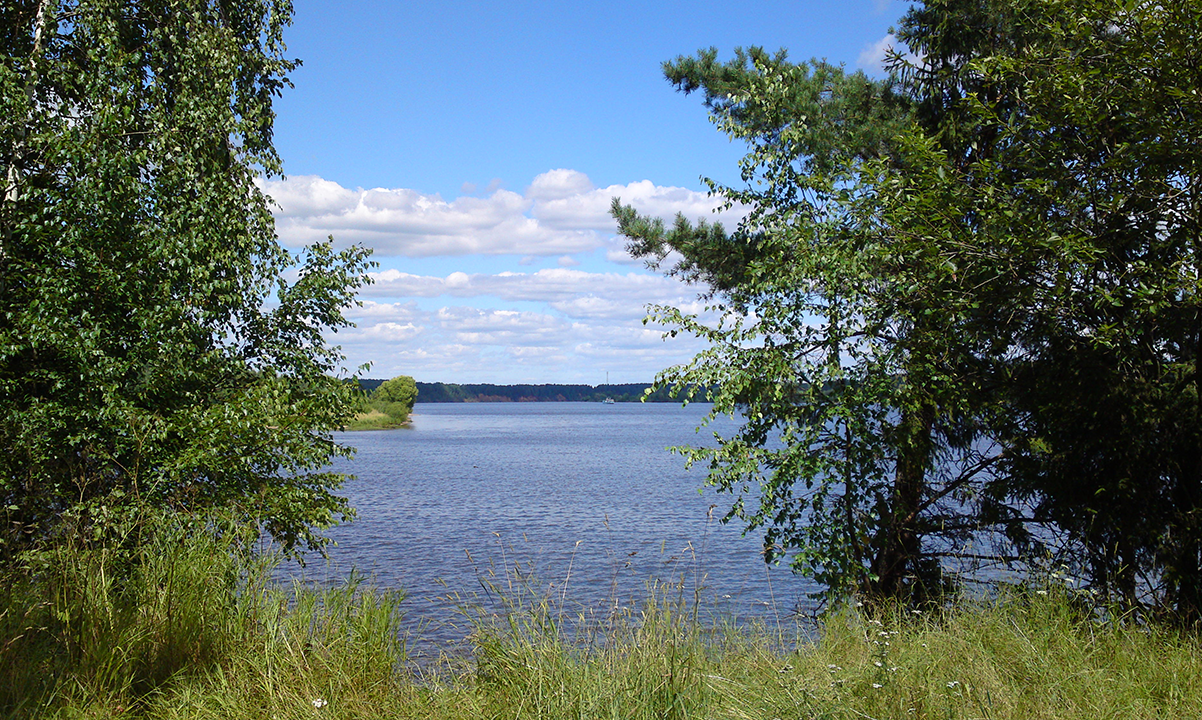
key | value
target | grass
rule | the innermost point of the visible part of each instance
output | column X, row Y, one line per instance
column 194, row 632
column 373, row 419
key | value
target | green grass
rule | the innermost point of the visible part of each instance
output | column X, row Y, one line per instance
column 197, row 633
column 373, row 419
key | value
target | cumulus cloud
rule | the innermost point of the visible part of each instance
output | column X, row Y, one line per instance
column 511, row 323
column 465, row 344
column 390, row 332
column 621, row 257
column 588, row 208
column 559, row 184
column 473, row 326
column 568, row 290
column 560, row 213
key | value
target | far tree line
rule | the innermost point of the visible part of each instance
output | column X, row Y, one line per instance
column 484, row 392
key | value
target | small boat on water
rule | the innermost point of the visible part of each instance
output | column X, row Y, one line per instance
column 608, row 401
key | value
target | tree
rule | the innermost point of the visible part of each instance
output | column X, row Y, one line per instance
column 1090, row 116
column 396, row 396
column 1003, row 283
column 1100, row 141
column 847, row 346
column 151, row 353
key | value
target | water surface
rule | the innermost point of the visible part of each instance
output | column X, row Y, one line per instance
column 580, row 502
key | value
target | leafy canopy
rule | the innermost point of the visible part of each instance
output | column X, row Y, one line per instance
column 400, row 389
column 395, row 398
column 960, row 315
column 152, row 354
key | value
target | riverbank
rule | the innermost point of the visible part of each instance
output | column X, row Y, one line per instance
column 199, row 635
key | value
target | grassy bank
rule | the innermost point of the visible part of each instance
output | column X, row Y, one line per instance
column 378, row 414
column 196, row 634
column 373, row 419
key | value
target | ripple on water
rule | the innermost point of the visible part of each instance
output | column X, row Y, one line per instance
column 580, row 501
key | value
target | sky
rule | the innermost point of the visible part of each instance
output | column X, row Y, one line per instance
column 476, row 147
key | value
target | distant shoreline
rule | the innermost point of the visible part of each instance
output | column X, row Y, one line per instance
column 466, row 393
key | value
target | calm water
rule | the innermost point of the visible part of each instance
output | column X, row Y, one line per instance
column 579, row 501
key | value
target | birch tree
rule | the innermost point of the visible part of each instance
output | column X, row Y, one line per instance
column 152, row 357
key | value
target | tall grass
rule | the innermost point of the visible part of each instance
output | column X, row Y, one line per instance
column 93, row 632
column 200, row 632
column 1027, row 654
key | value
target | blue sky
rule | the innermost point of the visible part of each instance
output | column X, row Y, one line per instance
column 475, row 147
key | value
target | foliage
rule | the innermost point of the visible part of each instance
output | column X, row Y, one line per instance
column 400, row 391
column 846, row 346
column 151, row 352
column 962, row 308
column 1097, row 144
column 386, row 407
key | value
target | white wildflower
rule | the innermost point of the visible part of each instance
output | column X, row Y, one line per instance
column 319, row 703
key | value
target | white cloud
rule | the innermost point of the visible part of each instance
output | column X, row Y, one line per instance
column 307, row 195
column 476, row 326
column 561, row 213
column 872, row 58
column 440, row 318
column 567, row 338
column 401, row 312
column 575, row 293
column 559, row 184
column 390, row 332
column 590, row 208
column 463, row 344
column 621, row 257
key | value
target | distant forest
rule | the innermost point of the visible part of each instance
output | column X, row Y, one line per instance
column 451, row 392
